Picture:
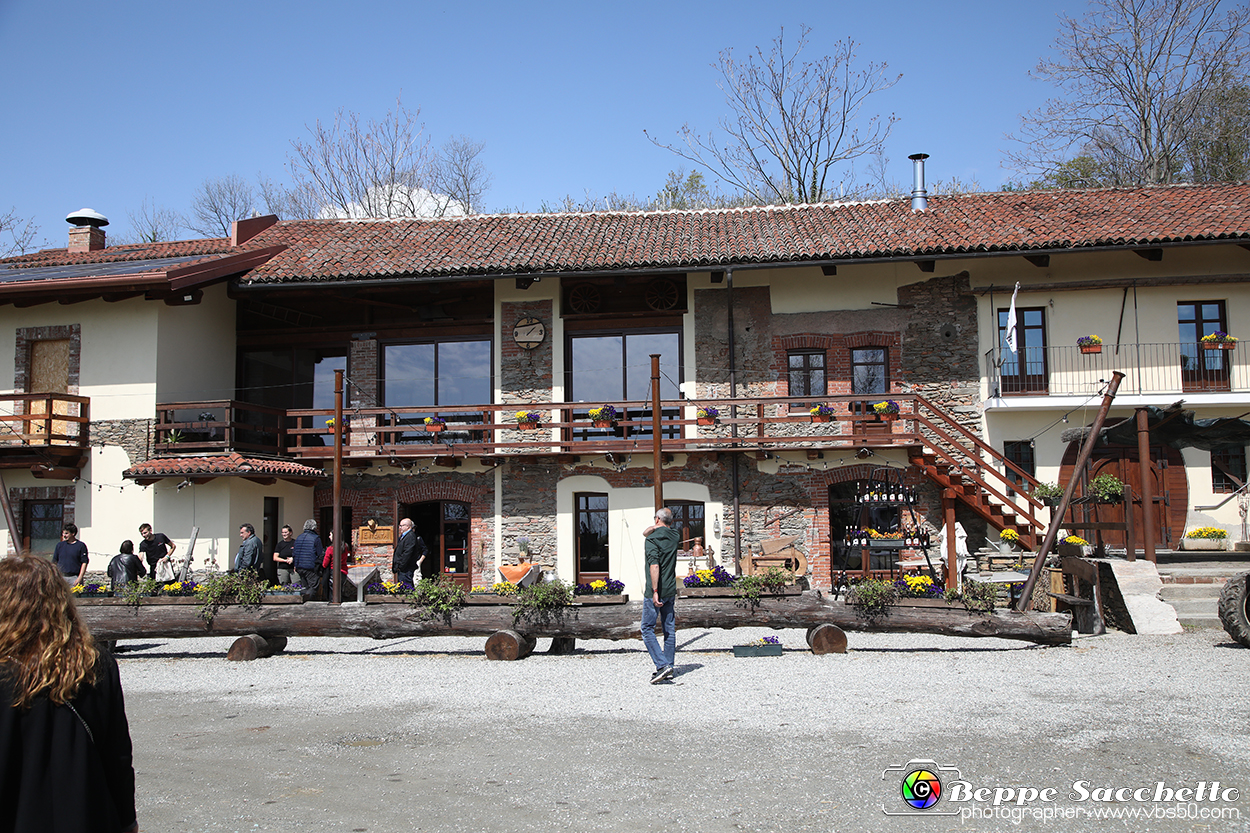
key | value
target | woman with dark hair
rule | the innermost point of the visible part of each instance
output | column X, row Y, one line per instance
column 65, row 754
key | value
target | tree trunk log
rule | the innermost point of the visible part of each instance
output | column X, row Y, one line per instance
column 509, row 645
column 390, row 621
column 826, row 639
column 253, row 646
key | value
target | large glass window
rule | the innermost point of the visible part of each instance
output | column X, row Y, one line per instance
column 591, row 519
column 1024, row 370
column 611, row 368
column 688, row 520
column 438, row 373
column 41, row 525
column 1201, row 369
column 870, row 370
column 807, row 373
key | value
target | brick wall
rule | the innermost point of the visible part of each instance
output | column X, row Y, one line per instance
column 135, row 436
column 26, row 335
column 18, row 497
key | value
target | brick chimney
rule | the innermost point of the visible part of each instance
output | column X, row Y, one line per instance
column 87, row 234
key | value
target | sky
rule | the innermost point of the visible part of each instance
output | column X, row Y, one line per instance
column 108, row 104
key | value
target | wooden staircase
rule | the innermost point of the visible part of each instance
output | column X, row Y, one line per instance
column 972, row 472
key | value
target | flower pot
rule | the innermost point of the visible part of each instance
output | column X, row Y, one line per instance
column 434, row 429
column 1091, row 348
column 1219, row 345
column 527, row 426
column 888, row 417
column 1006, row 547
column 602, row 423
column 706, row 420
column 757, row 650
column 821, row 418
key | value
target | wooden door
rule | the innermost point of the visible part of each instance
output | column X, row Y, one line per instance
column 49, row 373
column 445, row 527
column 1168, row 484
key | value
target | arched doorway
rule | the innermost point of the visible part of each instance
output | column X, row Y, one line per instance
column 444, row 526
column 1168, row 485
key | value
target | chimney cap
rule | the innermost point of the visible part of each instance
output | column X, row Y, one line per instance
column 86, row 217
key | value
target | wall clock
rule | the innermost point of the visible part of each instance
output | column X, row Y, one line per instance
column 529, row 333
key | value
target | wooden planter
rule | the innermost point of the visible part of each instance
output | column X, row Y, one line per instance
column 723, row 592
column 938, row 603
column 1219, row 345
column 1091, row 348
column 706, row 420
column 487, row 599
column 602, row 423
column 602, row 599
column 527, row 426
column 757, row 650
column 821, row 418
column 384, row 599
column 435, row 428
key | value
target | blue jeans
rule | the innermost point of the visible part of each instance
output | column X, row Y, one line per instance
column 667, row 615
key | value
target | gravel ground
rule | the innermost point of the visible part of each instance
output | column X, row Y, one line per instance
column 426, row 734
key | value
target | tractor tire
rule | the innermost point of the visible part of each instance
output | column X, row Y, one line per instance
column 1233, row 613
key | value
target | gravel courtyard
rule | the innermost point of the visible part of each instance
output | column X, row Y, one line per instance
column 426, row 734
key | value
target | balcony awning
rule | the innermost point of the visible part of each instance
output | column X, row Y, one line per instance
column 1176, row 427
column 205, row 468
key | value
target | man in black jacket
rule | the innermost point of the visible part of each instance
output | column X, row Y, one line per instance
column 306, row 554
column 409, row 553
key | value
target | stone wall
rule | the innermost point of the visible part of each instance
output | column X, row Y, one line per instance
column 133, row 435
column 940, row 359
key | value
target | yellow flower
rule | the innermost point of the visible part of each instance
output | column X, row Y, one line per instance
column 76, row 589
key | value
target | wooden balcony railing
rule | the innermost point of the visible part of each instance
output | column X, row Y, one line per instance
column 42, row 420
column 1147, row 368
column 220, row 425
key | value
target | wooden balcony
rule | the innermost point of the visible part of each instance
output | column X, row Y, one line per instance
column 45, row 432
column 219, row 425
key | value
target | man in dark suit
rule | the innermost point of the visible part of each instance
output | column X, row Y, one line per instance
column 409, row 553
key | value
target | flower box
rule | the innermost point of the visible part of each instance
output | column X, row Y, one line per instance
column 527, row 426
column 602, row 599
column 757, row 650
column 729, row 592
column 1219, row 345
column 819, row 418
column 384, row 599
column 488, row 599
column 938, row 603
column 602, row 423
column 435, row 427
column 706, row 420
column 1091, row 348
column 1203, row 544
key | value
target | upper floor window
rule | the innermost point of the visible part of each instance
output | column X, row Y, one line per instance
column 807, row 373
column 1202, row 369
column 1020, row 452
column 437, row 373
column 1199, row 318
column 870, row 370
column 1024, row 370
column 613, row 366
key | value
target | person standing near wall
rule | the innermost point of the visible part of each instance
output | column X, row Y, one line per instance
column 248, row 556
column 155, row 546
column 282, row 561
column 660, row 595
column 71, row 555
column 306, row 557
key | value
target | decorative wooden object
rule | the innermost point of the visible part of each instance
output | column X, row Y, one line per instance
column 377, row 536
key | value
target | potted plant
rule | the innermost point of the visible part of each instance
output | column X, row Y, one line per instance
column 887, row 410
column 1107, row 488
column 1008, row 539
column 822, row 413
column 1219, row 340
column 330, row 426
column 434, row 424
column 601, row 591
column 1204, row 538
column 1048, row 493
column 604, row 417
column 528, row 420
column 707, row 415
column 768, row 646
column 1090, row 343
column 1073, row 545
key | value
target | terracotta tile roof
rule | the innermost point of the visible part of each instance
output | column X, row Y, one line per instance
column 119, row 254
column 970, row 223
column 216, row 465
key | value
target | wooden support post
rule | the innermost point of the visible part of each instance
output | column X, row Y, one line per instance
column 14, row 536
column 1147, row 489
column 337, row 524
column 952, row 562
column 657, row 464
column 254, row 646
column 508, row 645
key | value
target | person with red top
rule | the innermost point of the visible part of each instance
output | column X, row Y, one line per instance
column 327, row 563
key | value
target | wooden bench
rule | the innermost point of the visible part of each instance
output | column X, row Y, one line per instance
column 778, row 552
column 1085, row 600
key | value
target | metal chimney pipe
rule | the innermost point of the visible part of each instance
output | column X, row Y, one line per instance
column 919, row 196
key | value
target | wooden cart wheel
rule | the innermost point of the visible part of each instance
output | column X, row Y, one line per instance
column 584, row 298
column 661, row 294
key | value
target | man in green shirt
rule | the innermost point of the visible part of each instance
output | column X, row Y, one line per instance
column 661, row 593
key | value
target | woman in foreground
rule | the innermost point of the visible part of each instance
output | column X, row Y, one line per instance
column 65, row 755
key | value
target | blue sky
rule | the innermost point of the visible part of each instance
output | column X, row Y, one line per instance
column 107, row 104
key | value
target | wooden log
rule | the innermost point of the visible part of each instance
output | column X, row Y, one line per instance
column 562, row 645
column 826, row 639
column 254, row 646
column 588, row 622
column 508, row 645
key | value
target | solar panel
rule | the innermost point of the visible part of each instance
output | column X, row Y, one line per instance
column 10, row 275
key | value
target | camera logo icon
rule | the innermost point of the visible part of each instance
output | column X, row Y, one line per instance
column 920, row 787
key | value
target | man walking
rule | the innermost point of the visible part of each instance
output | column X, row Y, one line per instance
column 306, row 556
column 249, row 554
column 409, row 554
column 660, row 595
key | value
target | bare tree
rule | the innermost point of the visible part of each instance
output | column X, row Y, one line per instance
column 219, row 202
column 152, row 223
column 1217, row 142
column 288, row 202
column 1133, row 74
column 17, row 234
column 373, row 169
column 794, row 127
column 459, row 177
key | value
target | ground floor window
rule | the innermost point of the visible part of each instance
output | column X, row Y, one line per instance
column 41, row 525
column 688, row 520
column 1019, row 452
column 591, row 522
column 1228, row 469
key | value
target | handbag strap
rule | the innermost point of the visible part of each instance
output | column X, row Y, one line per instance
column 90, row 736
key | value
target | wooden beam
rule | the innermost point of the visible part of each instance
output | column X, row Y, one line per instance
column 1149, row 254
column 1040, row 261
column 114, row 297
column 926, row 265
column 829, row 270
column 55, row 473
column 264, row 481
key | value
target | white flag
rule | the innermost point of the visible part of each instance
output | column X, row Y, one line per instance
column 1011, row 321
